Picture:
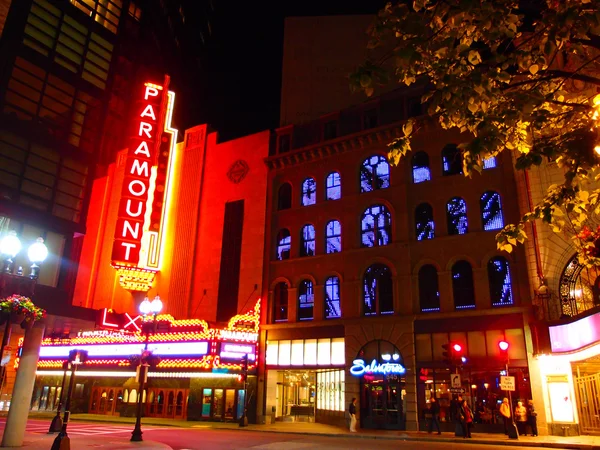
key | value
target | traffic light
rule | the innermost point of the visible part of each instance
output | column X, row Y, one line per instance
column 447, row 354
column 503, row 347
column 453, row 354
column 244, row 375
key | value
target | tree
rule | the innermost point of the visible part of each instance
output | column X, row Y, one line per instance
column 510, row 75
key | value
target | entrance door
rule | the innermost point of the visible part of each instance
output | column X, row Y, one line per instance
column 230, row 404
column 587, row 390
column 206, row 403
column 382, row 404
column 218, row 404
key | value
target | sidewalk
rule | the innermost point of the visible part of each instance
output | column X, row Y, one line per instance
column 34, row 441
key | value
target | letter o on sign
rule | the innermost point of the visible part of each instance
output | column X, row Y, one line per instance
column 137, row 188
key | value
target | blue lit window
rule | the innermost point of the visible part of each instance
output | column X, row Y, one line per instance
column 280, row 302
column 307, row 247
column 420, row 167
column 284, row 197
column 309, row 192
column 429, row 292
column 500, row 283
column 334, row 237
column 306, row 300
column 452, row 160
column 334, row 186
column 462, row 285
column 457, row 216
column 332, row 298
column 374, row 174
column 489, row 163
column 491, row 211
column 378, row 292
column 284, row 245
column 424, row 222
column 376, row 225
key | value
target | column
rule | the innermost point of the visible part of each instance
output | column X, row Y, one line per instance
column 23, row 390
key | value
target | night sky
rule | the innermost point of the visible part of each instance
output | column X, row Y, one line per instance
column 240, row 88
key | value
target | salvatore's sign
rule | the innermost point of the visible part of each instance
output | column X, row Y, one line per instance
column 360, row 368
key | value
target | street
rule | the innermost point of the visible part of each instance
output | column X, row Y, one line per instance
column 116, row 436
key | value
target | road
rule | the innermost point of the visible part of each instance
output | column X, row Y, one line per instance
column 111, row 435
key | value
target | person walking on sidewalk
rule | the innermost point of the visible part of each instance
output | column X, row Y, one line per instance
column 434, row 410
column 466, row 419
column 532, row 418
column 521, row 416
column 505, row 413
column 352, row 411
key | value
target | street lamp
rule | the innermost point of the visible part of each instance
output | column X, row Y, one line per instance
column 10, row 245
column 37, row 253
column 147, row 307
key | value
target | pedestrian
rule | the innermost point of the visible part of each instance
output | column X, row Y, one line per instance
column 434, row 410
column 505, row 413
column 532, row 418
column 352, row 411
column 466, row 419
column 521, row 417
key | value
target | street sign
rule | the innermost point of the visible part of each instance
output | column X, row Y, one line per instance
column 457, row 390
column 507, row 383
column 6, row 356
column 455, row 381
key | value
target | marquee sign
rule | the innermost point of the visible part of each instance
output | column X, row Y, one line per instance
column 145, row 192
column 360, row 368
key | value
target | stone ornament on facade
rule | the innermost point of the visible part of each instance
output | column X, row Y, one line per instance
column 238, row 171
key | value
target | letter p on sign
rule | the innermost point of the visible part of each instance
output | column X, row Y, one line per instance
column 150, row 92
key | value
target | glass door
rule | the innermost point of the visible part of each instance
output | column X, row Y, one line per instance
column 206, row 402
column 229, row 404
column 218, row 404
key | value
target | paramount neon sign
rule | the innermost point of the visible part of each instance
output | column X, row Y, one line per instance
column 359, row 368
column 146, row 187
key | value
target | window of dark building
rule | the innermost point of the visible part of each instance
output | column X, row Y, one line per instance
column 284, row 197
column 429, row 293
column 500, row 282
column 284, row 244
column 489, row 163
column 307, row 246
column 135, row 11
column 231, row 253
column 370, row 119
column 330, row 130
column 378, row 293
column 376, row 225
column 333, row 232
column 425, row 227
column 309, row 192
column 374, row 174
column 280, row 302
column 332, row 298
column 462, row 285
column 420, row 167
column 105, row 12
column 306, row 300
column 285, row 142
column 456, row 213
column 491, row 211
column 334, row 186
column 451, row 160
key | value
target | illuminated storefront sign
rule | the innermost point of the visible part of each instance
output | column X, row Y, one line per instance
column 236, row 350
column 575, row 335
column 146, row 187
column 359, row 368
column 115, row 350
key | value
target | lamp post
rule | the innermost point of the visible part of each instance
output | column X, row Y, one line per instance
column 57, row 422
column 37, row 253
column 10, row 245
column 147, row 307
column 62, row 441
column 503, row 346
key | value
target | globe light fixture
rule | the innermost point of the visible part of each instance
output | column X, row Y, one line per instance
column 10, row 245
column 156, row 305
column 145, row 307
column 37, row 253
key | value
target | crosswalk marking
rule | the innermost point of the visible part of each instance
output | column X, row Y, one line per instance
column 81, row 429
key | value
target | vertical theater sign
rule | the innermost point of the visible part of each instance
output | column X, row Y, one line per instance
column 145, row 195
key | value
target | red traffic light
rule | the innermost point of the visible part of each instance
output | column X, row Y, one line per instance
column 503, row 345
column 457, row 348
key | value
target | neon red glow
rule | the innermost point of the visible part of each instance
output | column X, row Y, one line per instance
column 503, row 345
column 457, row 347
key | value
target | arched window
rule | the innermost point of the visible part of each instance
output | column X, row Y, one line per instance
column 280, row 302
column 374, row 174
column 306, row 300
column 309, row 192
column 420, row 167
column 578, row 289
column 378, row 292
column 500, row 283
column 307, row 247
column 376, row 226
column 334, row 237
column 462, row 285
column 429, row 293
column 424, row 222
column 489, row 163
column 452, row 160
column 334, row 186
column 284, row 244
column 284, row 197
column 491, row 211
column 332, row 298
column 457, row 216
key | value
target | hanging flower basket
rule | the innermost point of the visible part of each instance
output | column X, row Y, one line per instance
column 20, row 310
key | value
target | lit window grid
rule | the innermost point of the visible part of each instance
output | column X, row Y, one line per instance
column 331, row 390
column 489, row 163
column 375, row 174
column 334, row 237
column 491, row 211
column 284, row 247
column 306, row 300
column 421, row 174
column 316, row 352
column 280, row 303
column 457, row 216
column 372, row 300
column 501, row 265
column 376, row 225
column 334, row 186
column 309, row 192
column 425, row 230
column 308, row 240
column 332, row 298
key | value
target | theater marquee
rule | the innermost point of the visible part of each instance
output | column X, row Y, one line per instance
column 144, row 202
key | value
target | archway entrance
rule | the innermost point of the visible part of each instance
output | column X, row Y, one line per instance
column 579, row 288
column 380, row 366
